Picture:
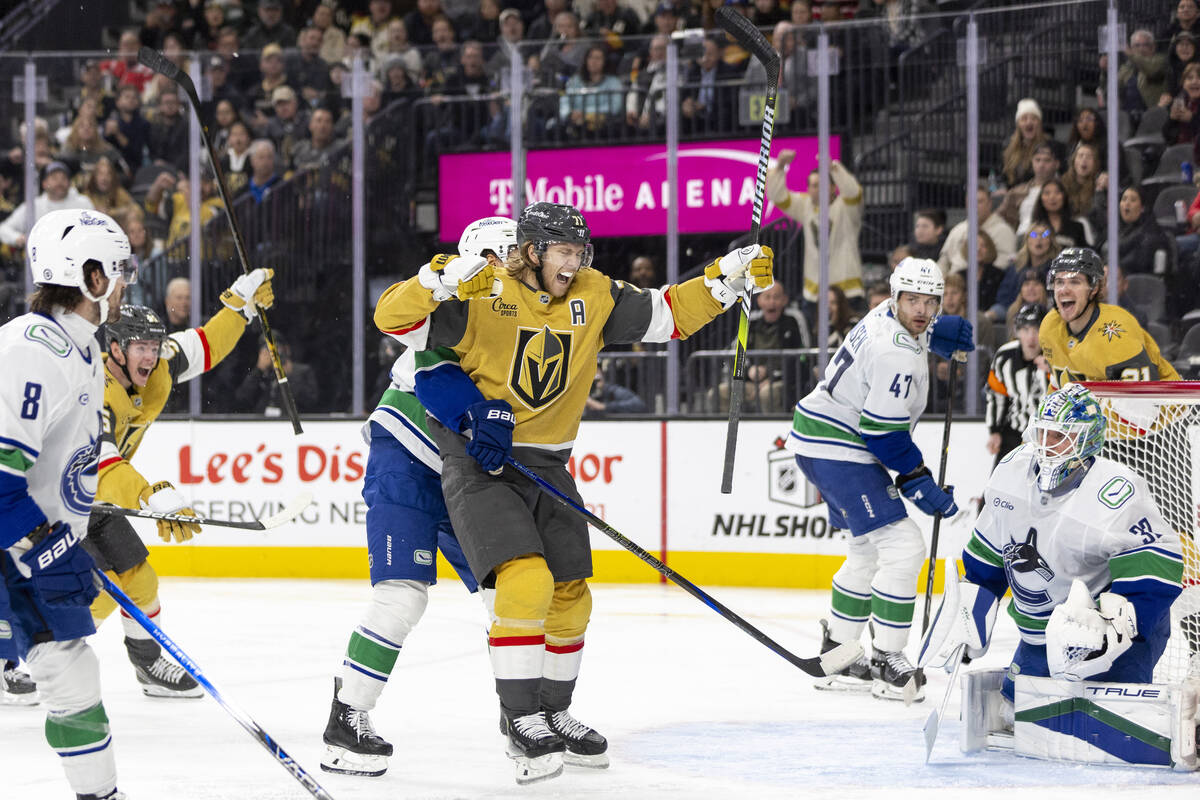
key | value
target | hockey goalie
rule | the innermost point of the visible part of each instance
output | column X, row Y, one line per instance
column 1093, row 569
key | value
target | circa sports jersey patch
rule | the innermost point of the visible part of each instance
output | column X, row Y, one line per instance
column 1112, row 330
column 541, row 365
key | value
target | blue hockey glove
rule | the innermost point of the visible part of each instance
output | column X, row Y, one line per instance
column 490, row 424
column 950, row 334
column 920, row 488
column 60, row 570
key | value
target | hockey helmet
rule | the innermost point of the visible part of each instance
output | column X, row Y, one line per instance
column 919, row 275
column 63, row 241
column 137, row 323
column 545, row 223
column 1066, row 433
column 495, row 234
column 1083, row 260
column 1030, row 315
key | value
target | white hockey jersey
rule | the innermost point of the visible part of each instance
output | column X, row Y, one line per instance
column 399, row 412
column 877, row 382
column 50, row 407
column 1107, row 532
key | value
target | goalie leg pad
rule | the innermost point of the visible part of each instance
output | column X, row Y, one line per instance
column 394, row 610
column 1099, row 723
column 901, row 553
column 986, row 713
column 850, row 606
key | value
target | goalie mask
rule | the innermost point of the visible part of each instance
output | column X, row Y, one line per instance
column 1066, row 433
column 497, row 235
column 63, row 242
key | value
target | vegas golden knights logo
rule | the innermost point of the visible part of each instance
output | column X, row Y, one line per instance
column 541, row 366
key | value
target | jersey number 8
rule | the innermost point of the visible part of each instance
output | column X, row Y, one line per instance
column 33, row 397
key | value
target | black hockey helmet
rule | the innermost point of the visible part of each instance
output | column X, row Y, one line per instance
column 1030, row 314
column 1083, row 260
column 543, row 223
column 137, row 323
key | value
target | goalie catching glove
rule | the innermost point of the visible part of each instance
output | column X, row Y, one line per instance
column 461, row 277
column 163, row 498
column 726, row 277
column 250, row 292
column 1083, row 641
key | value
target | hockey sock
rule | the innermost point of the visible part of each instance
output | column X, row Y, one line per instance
column 394, row 610
column 517, row 639
column 900, row 553
column 135, row 631
column 565, row 625
column 850, row 601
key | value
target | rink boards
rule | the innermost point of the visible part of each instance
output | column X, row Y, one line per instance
column 655, row 482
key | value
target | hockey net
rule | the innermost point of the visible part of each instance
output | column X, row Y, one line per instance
column 1154, row 428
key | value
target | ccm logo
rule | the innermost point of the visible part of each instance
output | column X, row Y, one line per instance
column 61, row 546
column 496, row 413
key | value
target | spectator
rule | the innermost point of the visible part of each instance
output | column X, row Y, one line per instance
column 221, row 89
column 793, row 71
column 767, row 14
column 664, row 20
column 952, row 257
column 400, row 49
column 333, row 39
column 563, row 56
column 125, row 69
column 170, row 198
column 259, row 392
column 374, row 24
column 305, row 67
column 104, row 189
column 57, row 193
column 481, row 24
column 1182, row 52
column 708, row 94
column 1142, row 244
column 1038, row 249
column 1019, row 200
column 773, row 326
column 642, row 273
column 644, row 105
column 314, row 152
column 169, row 132
column 897, row 255
column 1053, row 208
column 1142, row 79
column 272, row 76
column 1017, row 165
column 542, row 26
column 398, row 82
column 1185, row 17
column 512, row 30
column 92, row 88
column 842, row 318
column 610, row 398
column 419, row 21
column 243, row 72
column 593, row 100
column 1183, row 122
column 929, row 233
column 84, row 144
column 263, row 171
column 289, row 125
column 902, row 20
column 223, row 117
column 371, row 104
column 235, row 159
column 178, row 306
column 1033, row 291
column 879, row 291
column 270, row 28
column 162, row 19
column 443, row 58
column 996, row 286
column 845, row 223
column 208, row 25
column 954, row 296
column 1087, row 187
column 1016, row 383
column 612, row 24
column 1089, row 128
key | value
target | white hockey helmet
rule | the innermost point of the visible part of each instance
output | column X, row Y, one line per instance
column 62, row 242
column 497, row 234
column 919, row 275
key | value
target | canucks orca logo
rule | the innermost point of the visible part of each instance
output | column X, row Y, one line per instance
column 1023, row 558
column 78, row 486
column 541, row 366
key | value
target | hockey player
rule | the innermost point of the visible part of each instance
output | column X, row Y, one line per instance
column 1016, row 383
column 1056, row 512
column 407, row 524
column 50, row 409
column 533, row 353
column 847, row 434
column 1084, row 339
column 142, row 366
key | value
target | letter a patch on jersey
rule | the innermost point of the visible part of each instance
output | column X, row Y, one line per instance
column 541, row 365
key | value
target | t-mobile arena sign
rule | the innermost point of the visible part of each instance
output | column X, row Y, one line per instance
column 622, row 191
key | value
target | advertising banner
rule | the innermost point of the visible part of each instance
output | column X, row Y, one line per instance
column 622, row 191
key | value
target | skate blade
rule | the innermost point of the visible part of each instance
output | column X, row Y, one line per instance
column 885, row 691
column 341, row 761
column 24, row 699
column 533, row 770
column 153, row 690
column 596, row 761
column 842, row 683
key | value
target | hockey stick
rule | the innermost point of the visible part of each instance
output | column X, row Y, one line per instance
column 827, row 663
column 193, row 669
column 289, row 512
column 934, row 723
column 168, row 69
column 937, row 518
column 750, row 38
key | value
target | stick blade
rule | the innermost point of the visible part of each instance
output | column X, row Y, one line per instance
column 159, row 63
column 289, row 512
column 752, row 39
column 931, row 731
column 840, row 657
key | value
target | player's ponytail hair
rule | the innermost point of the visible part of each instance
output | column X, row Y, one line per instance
column 517, row 261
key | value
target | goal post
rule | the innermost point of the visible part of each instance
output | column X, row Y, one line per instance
column 1154, row 429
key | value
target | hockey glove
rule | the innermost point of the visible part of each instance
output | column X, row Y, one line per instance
column 59, row 569
column 726, row 277
column 490, row 425
column 1082, row 642
column 250, row 292
column 777, row 191
column 163, row 498
column 465, row 278
column 920, row 488
column 951, row 334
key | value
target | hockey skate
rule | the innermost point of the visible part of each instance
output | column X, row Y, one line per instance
column 856, row 677
column 115, row 794
column 16, row 687
column 158, row 675
column 352, row 747
column 537, row 749
column 585, row 746
column 895, row 678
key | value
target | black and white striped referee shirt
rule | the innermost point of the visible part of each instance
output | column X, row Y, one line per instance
column 1014, row 389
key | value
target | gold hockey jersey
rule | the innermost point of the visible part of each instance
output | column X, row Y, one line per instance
column 1113, row 347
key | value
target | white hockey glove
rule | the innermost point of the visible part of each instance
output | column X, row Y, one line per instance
column 1083, row 641
column 726, row 277
column 163, row 498
column 464, row 278
column 966, row 617
column 250, row 292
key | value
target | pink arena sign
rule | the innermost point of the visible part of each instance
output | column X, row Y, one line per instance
column 622, row 191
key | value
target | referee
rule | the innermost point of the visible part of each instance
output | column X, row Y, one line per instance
column 1016, row 382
